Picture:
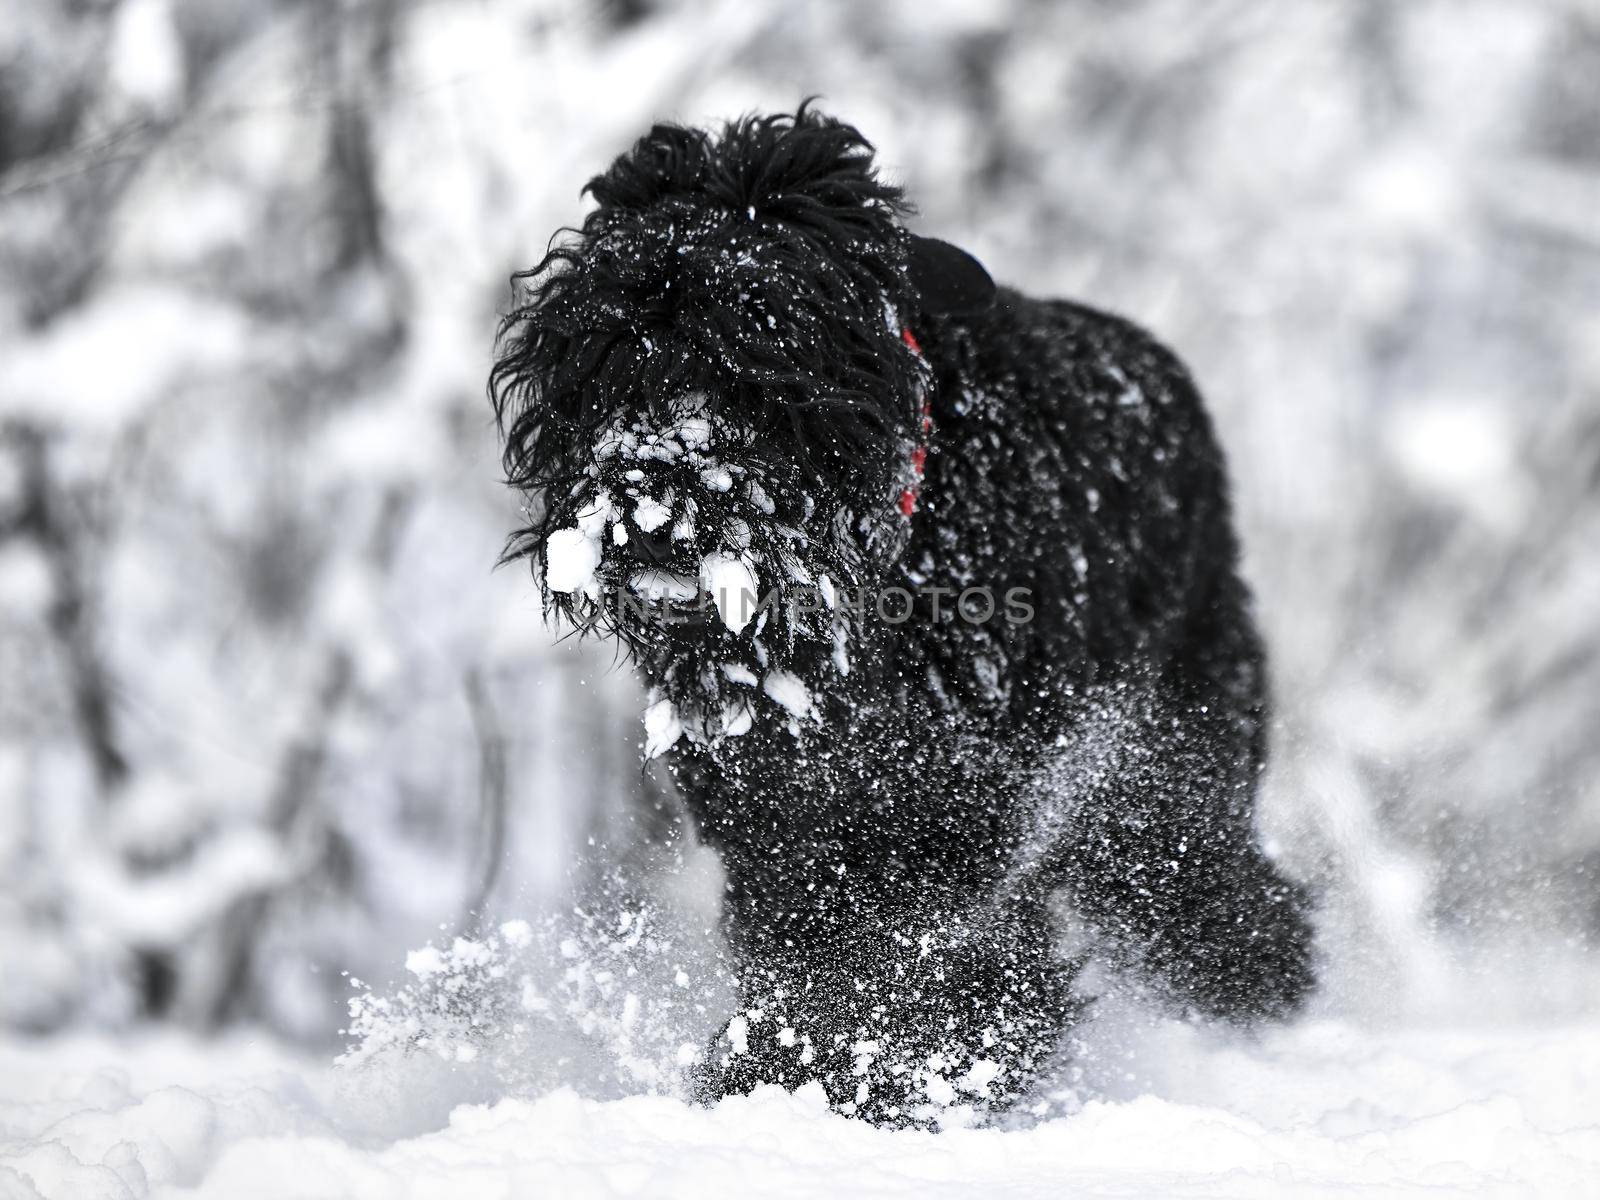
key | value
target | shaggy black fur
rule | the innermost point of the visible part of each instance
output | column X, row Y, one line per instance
column 713, row 369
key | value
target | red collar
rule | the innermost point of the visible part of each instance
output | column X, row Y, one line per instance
column 919, row 455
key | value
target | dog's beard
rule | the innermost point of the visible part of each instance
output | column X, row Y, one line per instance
column 724, row 572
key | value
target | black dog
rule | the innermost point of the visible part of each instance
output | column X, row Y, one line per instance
column 936, row 585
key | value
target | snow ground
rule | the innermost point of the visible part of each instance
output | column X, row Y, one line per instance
column 1324, row 1108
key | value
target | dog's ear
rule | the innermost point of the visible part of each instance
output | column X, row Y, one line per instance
column 949, row 280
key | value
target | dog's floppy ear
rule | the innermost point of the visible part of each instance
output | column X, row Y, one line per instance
column 949, row 280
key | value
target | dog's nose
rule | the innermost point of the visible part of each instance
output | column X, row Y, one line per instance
column 653, row 549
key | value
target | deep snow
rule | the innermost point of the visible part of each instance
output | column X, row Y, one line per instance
column 1319, row 1109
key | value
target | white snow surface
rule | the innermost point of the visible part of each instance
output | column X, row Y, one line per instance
column 1325, row 1108
column 662, row 727
column 731, row 581
column 788, row 690
column 658, row 585
column 570, row 557
column 649, row 514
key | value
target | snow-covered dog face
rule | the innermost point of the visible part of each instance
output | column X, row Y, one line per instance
column 714, row 562
column 712, row 408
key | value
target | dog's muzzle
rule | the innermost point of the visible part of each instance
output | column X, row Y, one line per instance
column 653, row 549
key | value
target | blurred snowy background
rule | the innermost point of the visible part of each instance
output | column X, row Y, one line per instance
column 268, row 715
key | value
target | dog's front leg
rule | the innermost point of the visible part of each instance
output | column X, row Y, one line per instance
column 1163, row 860
column 902, row 1017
